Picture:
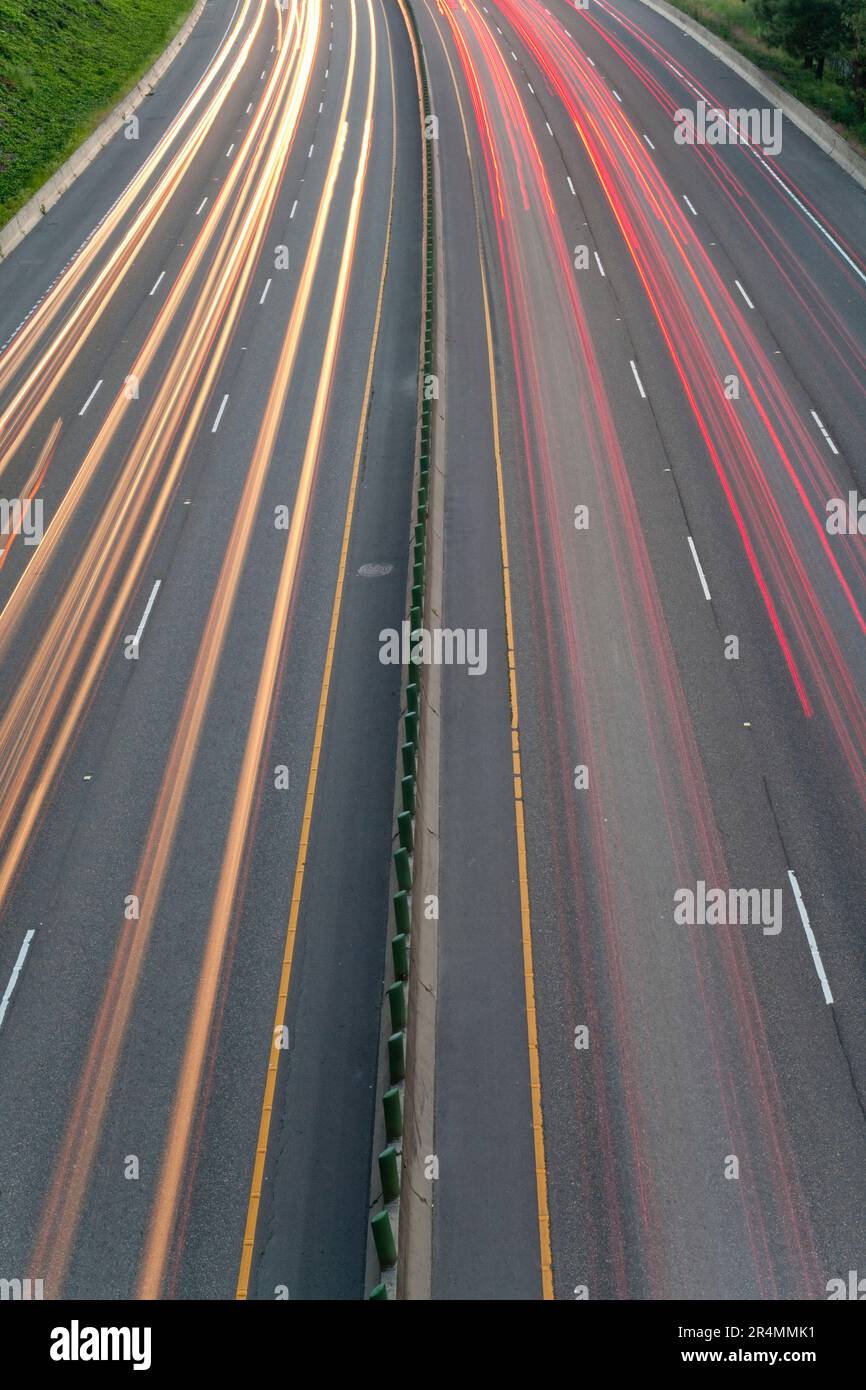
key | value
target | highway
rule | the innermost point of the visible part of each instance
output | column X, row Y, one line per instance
column 209, row 385
column 628, row 1107
column 653, row 384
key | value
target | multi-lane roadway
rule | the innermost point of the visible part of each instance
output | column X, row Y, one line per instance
column 653, row 384
column 214, row 402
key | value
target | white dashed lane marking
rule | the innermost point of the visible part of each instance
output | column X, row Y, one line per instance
column 216, row 424
column 90, row 397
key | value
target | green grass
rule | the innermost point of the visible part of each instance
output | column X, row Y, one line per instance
column 63, row 65
column 734, row 21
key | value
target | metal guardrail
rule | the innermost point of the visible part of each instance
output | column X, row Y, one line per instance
column 385, row 1224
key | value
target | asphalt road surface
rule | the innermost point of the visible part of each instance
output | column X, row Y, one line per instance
column 654, row 383
column 215, row 404
column 628, row 1105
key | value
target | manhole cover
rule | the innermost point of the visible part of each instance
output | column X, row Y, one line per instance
column 374, row 571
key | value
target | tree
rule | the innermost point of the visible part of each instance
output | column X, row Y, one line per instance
column 808, row 29
column 855, row 29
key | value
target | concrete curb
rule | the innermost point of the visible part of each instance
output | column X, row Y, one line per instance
column 817, row 129
column 42, row 201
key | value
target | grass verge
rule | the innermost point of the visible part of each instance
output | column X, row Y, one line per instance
column 64, row 64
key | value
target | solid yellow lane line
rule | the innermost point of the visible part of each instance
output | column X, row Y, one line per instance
column 517, row 776
column 198, row 1037
column 523, row 877
column 63, row 1205
column 312, row 780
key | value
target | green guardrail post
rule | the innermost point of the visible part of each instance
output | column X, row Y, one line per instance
column 404, row 870
column 379, row 1294
column 383, row 1236
column 412, row 728
column 407, row 786
column 397, row 1004
column 404, row 831
column 401, row 911
column 407, row 753
column 396, row 1058
column 400, row 956
column 389, row 1174
column 412, row 696
column 393, row 1112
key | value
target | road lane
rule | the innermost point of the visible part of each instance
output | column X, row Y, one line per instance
column 194, row 826
column 695, row 1046
column 135, row 982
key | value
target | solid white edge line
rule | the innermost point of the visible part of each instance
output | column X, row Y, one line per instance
column 810, row 937
column 699, row 568
column 16, row 971
column 784, row 187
